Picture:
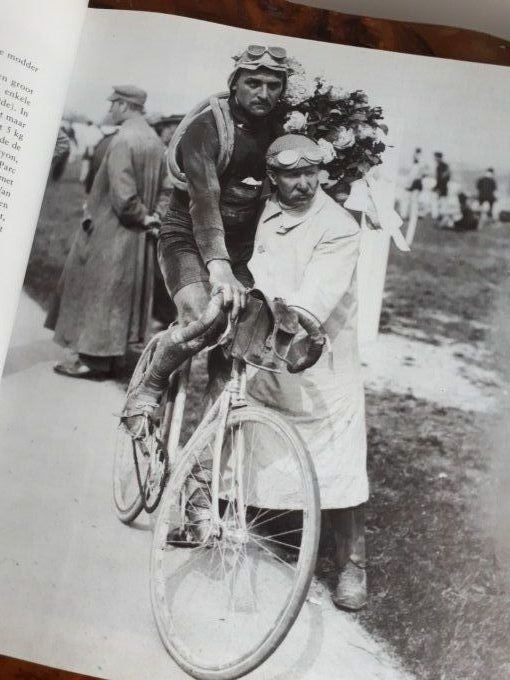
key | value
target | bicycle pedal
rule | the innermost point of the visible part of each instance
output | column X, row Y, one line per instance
column 182, row 538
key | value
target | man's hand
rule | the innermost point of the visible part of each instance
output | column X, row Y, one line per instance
column 222, row 279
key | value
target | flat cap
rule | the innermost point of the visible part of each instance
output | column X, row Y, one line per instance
column 128, row 93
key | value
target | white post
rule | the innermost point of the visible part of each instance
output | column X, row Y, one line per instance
column 412, row 223
column 375, row 246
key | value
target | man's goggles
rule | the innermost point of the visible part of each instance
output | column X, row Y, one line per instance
column 258, row 51
column 291, row 157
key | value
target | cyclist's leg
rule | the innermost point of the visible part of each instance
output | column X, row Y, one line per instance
column 188, row 283
column 190, row 301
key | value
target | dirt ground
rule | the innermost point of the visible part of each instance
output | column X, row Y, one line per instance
column 438, row 592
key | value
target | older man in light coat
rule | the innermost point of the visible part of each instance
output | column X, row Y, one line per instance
column 104, row 296
column 306, row 252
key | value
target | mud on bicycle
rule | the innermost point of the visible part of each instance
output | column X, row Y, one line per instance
column 229, row 553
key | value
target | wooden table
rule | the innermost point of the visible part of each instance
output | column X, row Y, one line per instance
column 286, row 18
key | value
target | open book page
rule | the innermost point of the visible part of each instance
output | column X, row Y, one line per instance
column 37, row 50
column 370, row 190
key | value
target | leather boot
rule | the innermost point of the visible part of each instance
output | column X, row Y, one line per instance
column 351, row 589
column 349, row 531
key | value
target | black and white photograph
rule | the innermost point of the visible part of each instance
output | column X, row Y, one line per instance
column 253, row 412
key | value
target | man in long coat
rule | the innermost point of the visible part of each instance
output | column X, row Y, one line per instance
column 306, row 251
column 104, row 296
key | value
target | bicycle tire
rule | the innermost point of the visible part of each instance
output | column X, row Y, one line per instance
column 164, row 604
column 124, row 468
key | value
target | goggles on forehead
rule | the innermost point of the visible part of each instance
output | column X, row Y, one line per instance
column 291, row 157
column 258, row 51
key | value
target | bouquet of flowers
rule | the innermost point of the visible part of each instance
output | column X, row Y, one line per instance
column 349, row 130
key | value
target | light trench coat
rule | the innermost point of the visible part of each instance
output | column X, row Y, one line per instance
column 310, row 260
column 104, row 296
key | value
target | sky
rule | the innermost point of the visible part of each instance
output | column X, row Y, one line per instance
column 459, row 108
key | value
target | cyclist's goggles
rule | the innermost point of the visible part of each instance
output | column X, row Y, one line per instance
column 258, row 51
column 291, row 157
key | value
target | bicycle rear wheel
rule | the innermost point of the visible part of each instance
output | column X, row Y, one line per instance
column 225, row 604
column 135, row 490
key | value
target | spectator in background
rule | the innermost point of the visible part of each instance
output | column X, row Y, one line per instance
column 415, row 174
column 442, row 179
column 60, row 155
column 164, row 310
column 469, row 219
column 98, row 153
column 165, row 126
column 93, row 136
column 487, row 187
column 414, row 189
column 104, row 296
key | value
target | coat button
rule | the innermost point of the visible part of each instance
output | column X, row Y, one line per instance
column 261, row 249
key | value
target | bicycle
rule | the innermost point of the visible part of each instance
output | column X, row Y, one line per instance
column 225, row 491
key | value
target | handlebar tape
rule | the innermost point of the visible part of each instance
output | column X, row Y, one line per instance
column 316, row 339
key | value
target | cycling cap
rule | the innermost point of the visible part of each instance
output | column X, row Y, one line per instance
column 293, row 151
column 260, row 56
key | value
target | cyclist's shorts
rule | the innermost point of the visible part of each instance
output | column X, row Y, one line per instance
column 181, row 263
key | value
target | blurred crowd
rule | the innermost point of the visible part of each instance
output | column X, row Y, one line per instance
column 430, row 189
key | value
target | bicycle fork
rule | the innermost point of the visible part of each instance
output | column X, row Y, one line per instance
column 233, row 396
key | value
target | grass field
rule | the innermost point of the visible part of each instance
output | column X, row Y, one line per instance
column 438, row 593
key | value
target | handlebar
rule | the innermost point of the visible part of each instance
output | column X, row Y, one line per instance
column 313, row 329
column 196, row 328
column 317, row 340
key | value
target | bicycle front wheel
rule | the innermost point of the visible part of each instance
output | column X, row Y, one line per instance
column 140, row 468
column 225, row 600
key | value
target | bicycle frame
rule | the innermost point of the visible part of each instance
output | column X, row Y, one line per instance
column 233, row 395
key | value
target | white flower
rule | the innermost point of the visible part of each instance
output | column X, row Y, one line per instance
column 365, row 131
column 328, row 150
column 344, row 138
column 337, row 93
column 298, row 89
column 325, row 179
column 296, row 121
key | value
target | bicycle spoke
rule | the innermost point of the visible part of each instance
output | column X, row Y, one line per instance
column 270, row 519
column 286, row 545
column 283, row 533
column 248, row 572
column 273, row 554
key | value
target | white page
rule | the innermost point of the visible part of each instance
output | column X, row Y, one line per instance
column 38, row 43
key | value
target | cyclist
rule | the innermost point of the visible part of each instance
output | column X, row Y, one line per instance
column 306, row 251
column 207, row 235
